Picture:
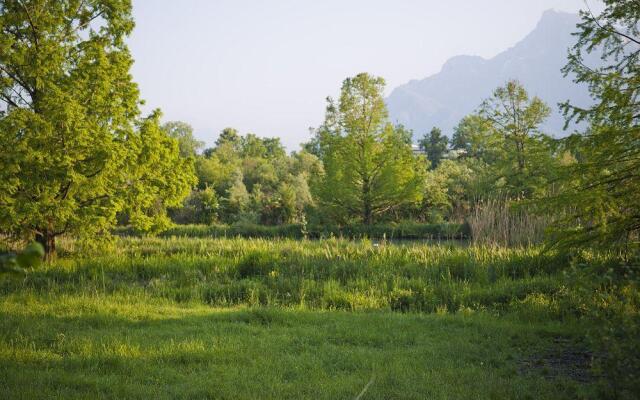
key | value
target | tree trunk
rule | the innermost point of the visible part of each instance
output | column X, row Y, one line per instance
column 521, row 161
column 366, row 203
column 367, row 218
column 48, row 242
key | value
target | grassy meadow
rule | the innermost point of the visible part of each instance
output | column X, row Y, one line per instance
column 255, row 318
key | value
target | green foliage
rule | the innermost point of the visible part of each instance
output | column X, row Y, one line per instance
column 229, row 136
column 404, row 230
column 474, row 137
column 369, row 168
column 183, row 133
column 495, row 154
column 255, row 180
column 523, row 152
column 79, row 154
column 161, row 180
column 608, row 293
column 602, row 186
column 30, row 257
column 434, row 144
column 449, row 190
column 200, row 207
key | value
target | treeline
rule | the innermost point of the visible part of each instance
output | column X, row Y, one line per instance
column 359, row 168
column 245, row 179
column 405, row 230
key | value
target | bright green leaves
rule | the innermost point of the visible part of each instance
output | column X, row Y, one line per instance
column 603, row 185
column 76, row 153
column 369, row 167
column 522, row 154
column 30, row 257
column 160, row 177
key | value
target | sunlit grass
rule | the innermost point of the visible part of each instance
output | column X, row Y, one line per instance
column 238, row 318
column 112, row 346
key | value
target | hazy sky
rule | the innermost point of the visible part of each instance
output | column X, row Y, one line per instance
column 267, row 66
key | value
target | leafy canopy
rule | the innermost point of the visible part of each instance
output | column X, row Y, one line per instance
column 434, row 144
column 369, row 165
column 75, row 151
column 603, row 185
column 521, row 150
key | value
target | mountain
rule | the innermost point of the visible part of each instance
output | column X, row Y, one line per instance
column 465, row 81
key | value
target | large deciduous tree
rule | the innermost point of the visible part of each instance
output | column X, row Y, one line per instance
column 516, row 118
column 369, row 167
column 605, row 182
column 75, row 151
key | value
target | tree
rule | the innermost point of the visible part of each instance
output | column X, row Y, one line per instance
column 434, row 144
column 474, row 137
column 183, row 133
column 369, row 168
column 201, row 207
column 448, row 190
column 75, row 152
column 517, row 118
column 237, row 199
column 603, row 186
column 229, row 135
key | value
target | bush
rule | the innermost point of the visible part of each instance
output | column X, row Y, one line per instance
column 256, row 264
column 200, row 207
column 391, row 231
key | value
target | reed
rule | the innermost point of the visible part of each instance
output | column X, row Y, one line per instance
column 505, row 222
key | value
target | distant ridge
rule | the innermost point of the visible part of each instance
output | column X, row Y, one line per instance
column 458, row 89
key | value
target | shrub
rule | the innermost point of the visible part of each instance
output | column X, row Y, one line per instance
column 402, row 230
column 256, row 263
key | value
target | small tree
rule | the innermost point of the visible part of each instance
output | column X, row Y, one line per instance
column 474, row 137
column 434, row 144
column 516, row 117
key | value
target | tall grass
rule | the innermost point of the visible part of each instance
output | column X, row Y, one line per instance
column 500, row 222
column 328, row 274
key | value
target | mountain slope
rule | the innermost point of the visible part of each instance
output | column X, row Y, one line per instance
column 458, row 89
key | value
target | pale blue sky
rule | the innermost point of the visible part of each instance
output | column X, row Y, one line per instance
column 267, row 66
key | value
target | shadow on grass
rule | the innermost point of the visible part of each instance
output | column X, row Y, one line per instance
column 269, row 353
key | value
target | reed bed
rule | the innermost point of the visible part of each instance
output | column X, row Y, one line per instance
column 501, row 222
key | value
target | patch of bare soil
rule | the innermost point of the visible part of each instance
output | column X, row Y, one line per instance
column 564, row 360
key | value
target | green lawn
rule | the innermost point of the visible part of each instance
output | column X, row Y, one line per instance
column 121, row 326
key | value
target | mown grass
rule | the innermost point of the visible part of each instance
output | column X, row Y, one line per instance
column 237, row 318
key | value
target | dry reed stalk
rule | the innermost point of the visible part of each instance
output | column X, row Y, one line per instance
column 497, row 222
